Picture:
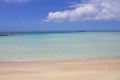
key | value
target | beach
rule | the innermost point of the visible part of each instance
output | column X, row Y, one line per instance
column 60, row 56
column 59, row 39
column 101, row 69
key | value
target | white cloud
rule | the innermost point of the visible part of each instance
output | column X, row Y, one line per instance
column 90, row 10
column 15, row 1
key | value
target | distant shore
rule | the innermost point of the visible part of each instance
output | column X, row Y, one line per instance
column 46, row 32
column 3, row 34
column 106, row 69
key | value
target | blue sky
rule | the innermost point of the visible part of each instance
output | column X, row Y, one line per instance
column 56, row 15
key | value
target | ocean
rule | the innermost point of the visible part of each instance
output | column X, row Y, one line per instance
column 59, row 46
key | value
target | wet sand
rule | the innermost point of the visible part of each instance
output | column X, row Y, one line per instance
column 106, row 69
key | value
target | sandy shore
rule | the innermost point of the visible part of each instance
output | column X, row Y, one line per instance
column 107, row 69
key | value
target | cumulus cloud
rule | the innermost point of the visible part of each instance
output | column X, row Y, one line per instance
column 15, row 1
column 90, row 10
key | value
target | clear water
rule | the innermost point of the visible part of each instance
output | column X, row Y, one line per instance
column 59, row 46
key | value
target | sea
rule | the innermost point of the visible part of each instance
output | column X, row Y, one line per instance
column 36, row 46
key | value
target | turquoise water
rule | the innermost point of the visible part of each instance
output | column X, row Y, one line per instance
column 59, row 46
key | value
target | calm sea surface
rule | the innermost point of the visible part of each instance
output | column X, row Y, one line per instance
column 59, row 46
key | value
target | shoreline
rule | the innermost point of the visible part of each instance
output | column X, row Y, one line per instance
column 59, row 60
column 63, row 63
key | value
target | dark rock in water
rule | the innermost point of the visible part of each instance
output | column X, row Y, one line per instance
column 3, row 34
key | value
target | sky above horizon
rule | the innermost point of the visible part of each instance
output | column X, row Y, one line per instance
column 59, row 15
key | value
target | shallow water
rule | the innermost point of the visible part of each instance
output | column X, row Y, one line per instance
column 59, row 46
